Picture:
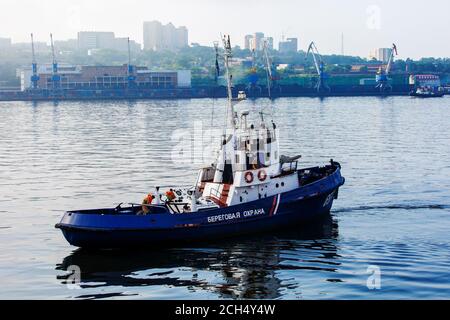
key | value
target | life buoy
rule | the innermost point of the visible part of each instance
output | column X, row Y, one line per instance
column 249, row 177
column 262, row 175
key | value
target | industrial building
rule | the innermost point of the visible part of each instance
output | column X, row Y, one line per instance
column 105, row 77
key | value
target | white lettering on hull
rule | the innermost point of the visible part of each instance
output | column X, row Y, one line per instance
column 236, row 215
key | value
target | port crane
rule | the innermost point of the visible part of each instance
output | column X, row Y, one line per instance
column 56, row 79
column 270, row 79
column 382, row 77
column 319, row 65
column 130, row 70
column 34, row 77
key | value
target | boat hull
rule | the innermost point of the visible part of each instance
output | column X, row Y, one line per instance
column 279, row 211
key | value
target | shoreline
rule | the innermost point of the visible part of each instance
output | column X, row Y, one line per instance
column 185, row 94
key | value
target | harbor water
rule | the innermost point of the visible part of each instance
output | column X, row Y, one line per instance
column 387, row 236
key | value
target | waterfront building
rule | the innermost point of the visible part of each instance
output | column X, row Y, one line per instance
column 288, row 46
column 106, row 77
column 164, row 37
column 366, row 68
column 425, row 80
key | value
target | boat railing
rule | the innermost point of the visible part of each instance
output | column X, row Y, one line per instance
column 133, row 205
column 290, row 166
column 173, row 207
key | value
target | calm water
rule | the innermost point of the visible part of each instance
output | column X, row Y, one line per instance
column 393, row 213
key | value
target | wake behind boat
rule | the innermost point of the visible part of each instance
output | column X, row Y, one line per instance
column 249, row 188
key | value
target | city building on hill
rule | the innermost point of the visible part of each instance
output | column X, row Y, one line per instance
column 288, row 46
column 164, row 37
column 381, row 54
column 256, row 41
column 66, row 45
column 269, row 41
column 39, row 47
column 89, row 40
column 248, row 42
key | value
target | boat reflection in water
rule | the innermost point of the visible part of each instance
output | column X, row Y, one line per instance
column 242, row 268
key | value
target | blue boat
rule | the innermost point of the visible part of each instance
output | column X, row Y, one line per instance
column 249, row 188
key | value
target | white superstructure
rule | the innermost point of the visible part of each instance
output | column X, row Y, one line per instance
column 248, row 165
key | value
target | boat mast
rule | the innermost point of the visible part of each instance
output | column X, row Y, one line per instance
column 227, row 56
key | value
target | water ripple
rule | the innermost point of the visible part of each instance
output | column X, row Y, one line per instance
column 393, row 212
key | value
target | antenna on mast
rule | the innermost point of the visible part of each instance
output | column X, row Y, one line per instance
column 228, row 55
column 217, row 71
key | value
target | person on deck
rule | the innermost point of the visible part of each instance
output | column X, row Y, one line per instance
column 170, row 195
column 147, row 201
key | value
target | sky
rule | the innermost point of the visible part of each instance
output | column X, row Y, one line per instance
column 418, row 28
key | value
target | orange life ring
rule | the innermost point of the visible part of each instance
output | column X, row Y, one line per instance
column 249, row 177
column 262, row 175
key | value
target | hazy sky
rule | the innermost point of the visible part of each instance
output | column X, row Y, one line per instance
column 419, row 28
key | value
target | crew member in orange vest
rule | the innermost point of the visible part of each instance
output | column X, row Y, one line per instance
column 147, row 201
column 170, row 195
